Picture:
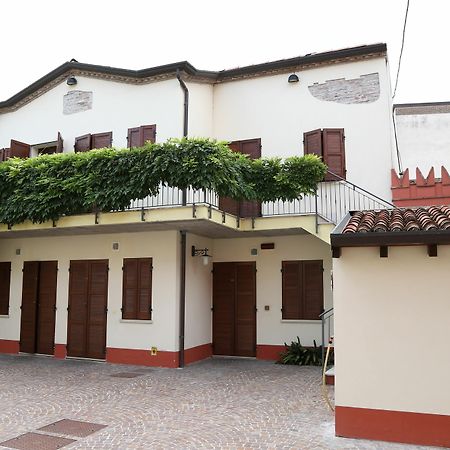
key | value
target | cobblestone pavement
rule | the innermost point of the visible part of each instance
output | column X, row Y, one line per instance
column 217, row 403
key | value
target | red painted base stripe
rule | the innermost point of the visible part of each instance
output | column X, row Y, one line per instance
column 60, row 351
column 161, row 359
column 197, row 353
column 7, row 346
column 269, row 352
column 393, row 426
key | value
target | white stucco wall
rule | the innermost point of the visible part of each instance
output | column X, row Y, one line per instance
column 279, row 113
column 198, row 294
column 161, row 332
column 115, row 107
column 270, row 328
column 392, row 317
column 424, row 142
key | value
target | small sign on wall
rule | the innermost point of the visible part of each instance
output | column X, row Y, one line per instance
column 77, row 101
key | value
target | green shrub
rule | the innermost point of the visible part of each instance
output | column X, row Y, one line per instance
column 296, row 354
column 51, row 186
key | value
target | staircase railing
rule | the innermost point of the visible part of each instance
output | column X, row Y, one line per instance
column 332, row 201
column 327, row 318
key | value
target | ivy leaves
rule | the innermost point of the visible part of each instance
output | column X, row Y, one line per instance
column 51, row 186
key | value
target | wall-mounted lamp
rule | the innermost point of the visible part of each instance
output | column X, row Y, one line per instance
column 203, row 252
column 71, row 81
column 293, row 78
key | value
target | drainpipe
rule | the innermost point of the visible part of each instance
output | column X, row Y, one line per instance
column 183, row 236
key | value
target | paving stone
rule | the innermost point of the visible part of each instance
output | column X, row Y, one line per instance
column 217, row 403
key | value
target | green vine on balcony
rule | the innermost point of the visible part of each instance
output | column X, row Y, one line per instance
column 51, row 186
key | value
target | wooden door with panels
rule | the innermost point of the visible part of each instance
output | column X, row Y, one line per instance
column 243, row 208
column 38, row 310
column 88, row 299
column 234, row 308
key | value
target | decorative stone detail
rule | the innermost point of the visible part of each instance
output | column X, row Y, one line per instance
column 365, row 89
column 77, row 101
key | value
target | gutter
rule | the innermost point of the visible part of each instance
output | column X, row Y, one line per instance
column 182, row 324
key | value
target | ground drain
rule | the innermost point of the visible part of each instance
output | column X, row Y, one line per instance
column 73, row 428
column 36, row 441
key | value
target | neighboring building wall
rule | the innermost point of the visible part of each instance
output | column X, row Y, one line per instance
column 272, row 331
column 391, row 341
column 279, row 113
column 115, row 107
column 127, row 341
column 423, row 134
column 200, row 109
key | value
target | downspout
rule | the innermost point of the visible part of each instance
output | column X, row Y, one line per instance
column 183, row 237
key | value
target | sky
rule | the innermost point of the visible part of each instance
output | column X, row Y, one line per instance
column 39, row 35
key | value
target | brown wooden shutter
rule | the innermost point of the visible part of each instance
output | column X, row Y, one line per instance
column 312, row 290
column 334, row 152
column 5, row 283
column 59, row 143
column 4, row 154
column 228, row 204
column 144, row 306
column 29, row 306
column 251, row 147
column 137, row 288
column 101, row 140
column 244, row 208
column 292, row 289
column 148, row 133
column 19, row 149
column 312, row 142
column 83, row 143
column 134, row 137
column 302, row 290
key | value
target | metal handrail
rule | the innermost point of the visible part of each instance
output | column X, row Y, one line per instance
column 325, row 317
column 381, row 200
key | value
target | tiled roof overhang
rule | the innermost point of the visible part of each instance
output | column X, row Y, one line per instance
column 438, row 231
column 167, row 71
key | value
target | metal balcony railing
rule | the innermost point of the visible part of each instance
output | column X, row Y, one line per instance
column 332, row 201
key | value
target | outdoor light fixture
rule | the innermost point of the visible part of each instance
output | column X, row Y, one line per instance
column 293, row 78
column 71, row 81
column 203, row 252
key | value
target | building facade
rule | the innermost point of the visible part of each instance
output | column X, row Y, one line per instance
column 128, row 286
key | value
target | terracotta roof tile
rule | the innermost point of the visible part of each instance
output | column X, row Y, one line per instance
column 400, row 220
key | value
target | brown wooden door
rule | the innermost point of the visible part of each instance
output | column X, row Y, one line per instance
column 37, row 330
column 88, row 293
column 29, row 306
column 46, row 311
column 234, row 308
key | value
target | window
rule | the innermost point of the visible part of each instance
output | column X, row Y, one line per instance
column 302, row 290
column 90, row 141
column 138, row 136
column 329, row 145
column 5, row 280
column 243, row 208
column 137, row 288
